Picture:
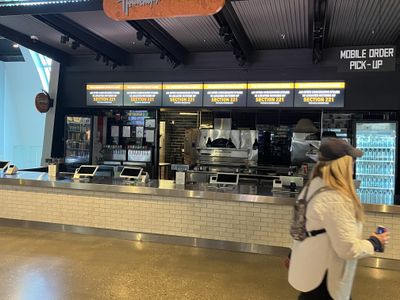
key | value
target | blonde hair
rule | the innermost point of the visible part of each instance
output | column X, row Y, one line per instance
column 338, row 175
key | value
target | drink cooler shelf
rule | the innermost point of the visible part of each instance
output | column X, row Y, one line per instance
column 386, row 175
column 383, row 147
column 375, row 188
column 375, row 161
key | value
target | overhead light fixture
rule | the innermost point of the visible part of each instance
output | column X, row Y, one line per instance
column 64, row 39
column 223, row 30
column 162, row 55
column 188, row 114
column 147, row 42
column 139, row 35
column 227, row 38
column 15, row 45
column 75, row 45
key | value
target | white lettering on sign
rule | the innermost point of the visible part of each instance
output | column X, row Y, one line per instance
column 126, row 4
column 346, row 54
column 368, row 59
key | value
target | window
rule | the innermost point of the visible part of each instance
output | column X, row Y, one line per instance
column 43, row 66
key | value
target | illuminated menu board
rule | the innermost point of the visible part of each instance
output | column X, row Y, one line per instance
column 270, row 94
column 225, row 94
column 107, row 94
column 319, row 94
column 142, row 94
column 182, row 94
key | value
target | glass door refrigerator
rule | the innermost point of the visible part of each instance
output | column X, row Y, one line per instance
column 376, row 170
column 78, row 131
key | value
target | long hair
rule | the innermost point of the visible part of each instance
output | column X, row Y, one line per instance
column 338, row 175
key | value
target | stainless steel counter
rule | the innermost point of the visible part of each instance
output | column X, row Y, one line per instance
column 242, row 193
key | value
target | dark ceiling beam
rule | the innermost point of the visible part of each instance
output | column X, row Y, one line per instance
column 85, row 37
column 34, row 44
column 319, row 29
column 231, row 29
column 161, row 39
column 7, row 9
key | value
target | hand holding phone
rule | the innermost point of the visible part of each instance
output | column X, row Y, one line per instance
column 382, row 234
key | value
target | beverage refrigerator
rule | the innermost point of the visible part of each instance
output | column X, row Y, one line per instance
column 78, row 131
column 376, row 170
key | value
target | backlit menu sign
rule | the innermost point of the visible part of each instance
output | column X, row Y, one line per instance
column 107, row 94
column 270, row 94
column 182, row 94
column 142, row 94
column 319, row 94
column 225, row 94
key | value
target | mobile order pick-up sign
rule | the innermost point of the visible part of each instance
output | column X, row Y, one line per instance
column 319, row 94
column 367, row 59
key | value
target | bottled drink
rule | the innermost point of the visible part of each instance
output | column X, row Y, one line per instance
column 360, row 141
column 390, row 169
column 369, row 196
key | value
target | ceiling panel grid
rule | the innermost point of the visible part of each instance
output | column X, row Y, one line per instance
column 195, row 33
column 274, row 24
column 367, row 22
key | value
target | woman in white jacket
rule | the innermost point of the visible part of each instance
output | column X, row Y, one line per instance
column 323, row 266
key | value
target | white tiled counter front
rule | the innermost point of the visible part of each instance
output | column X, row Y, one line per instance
column 210, row 219
column 215, row 219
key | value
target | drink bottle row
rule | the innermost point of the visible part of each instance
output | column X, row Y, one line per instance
column 376, row 196
column 377, row 182
column 376, row 141
column 386, row 154
column 375, row 168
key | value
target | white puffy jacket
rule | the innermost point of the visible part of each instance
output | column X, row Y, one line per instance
column 335, row 251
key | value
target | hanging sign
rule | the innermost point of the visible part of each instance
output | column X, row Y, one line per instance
column 142, row 94
column 182, row 94
column 43, row 102
column 122, row 10
column 319, row 94
column 225, row 94
column 104, row 94
column 270, row 94
column 367, row 59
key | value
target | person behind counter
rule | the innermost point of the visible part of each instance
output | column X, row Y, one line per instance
column 323, row 266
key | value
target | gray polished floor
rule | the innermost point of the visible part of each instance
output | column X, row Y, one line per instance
column 46, row 265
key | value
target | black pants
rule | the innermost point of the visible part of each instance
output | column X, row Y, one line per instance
column 319, row 293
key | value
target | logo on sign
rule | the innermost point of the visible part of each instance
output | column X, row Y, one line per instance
column 126, row 4
column 43, row 102
column 122, row 10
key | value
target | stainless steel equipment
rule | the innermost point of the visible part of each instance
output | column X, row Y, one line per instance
column 303, row 150
column 225, row 150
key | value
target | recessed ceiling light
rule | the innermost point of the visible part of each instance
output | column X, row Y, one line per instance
column 15, row 45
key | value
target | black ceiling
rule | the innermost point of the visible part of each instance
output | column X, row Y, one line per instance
column 243, row 26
